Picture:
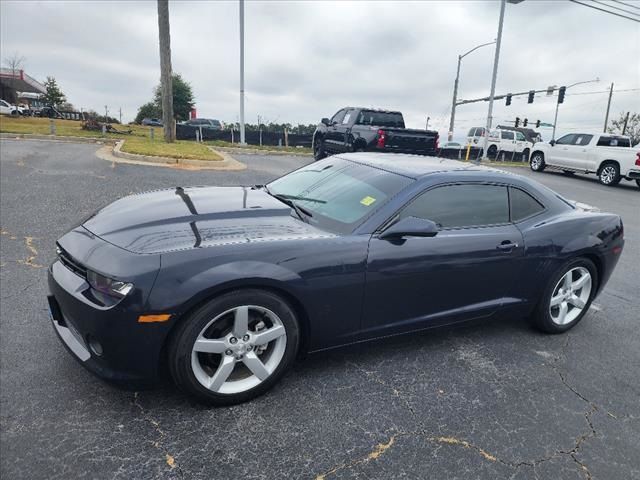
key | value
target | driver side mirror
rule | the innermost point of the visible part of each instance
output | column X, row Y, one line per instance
column 326, row 122
column 552, row 143
column 411, row 227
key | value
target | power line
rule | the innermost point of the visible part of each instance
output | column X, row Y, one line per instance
column 604, row 91
column 613, row 6
column 626, row 4
column 606, row 11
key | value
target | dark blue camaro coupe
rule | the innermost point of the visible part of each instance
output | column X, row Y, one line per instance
column 224, row 286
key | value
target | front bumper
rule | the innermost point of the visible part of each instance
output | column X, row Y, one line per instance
column 108, row 341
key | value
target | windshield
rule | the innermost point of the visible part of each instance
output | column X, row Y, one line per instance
column 340, row 193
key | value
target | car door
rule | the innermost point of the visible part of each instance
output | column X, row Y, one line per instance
column 579, row 152
column 344, row 129
column 333, row 140
column 559, row 154
column 508, row 141
column 521, row 142
column 466, row 270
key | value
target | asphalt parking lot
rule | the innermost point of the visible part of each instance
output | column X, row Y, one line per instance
column 490, row 400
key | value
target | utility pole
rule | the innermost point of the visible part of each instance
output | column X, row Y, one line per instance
column 165, row 71
column 120, row 111
column 427, row 127
column 455, row 88
column 606, row 117
column 493, row 80
column 242, row 141
column 626, row 119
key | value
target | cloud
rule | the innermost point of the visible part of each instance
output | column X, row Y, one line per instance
column 305, row 60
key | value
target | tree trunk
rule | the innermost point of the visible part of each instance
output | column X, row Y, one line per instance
column 165, row 71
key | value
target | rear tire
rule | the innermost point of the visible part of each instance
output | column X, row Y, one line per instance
column 492, row 151
column 567, row 297
column 609, row 174
column 220, row 354
column 537, row 162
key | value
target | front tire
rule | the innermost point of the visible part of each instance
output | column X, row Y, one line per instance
column 318, row 149
column 235, row 347
column 492, row 152
column 526, row 153
column 609, row 174
column 567, row 297
column 537, row 162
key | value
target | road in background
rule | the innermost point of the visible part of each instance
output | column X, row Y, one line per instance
column 490, row 400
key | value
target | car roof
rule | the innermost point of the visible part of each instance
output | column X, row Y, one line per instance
column 414, row 166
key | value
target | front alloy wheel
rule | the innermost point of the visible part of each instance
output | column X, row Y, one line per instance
column 537, row 162
column 235, row 347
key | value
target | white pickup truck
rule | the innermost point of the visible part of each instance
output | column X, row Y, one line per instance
column 609, row 156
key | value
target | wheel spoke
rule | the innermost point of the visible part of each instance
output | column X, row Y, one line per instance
column 241, row 321
column 222, row 373
column 562, row 314
column 256, row 366
column 566, row 281
column 557, row 300
column 266, row 336
column 581, row 282
column 576, row 301
column 206, row 345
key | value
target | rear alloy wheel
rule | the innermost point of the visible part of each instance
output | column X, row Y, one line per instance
column 235, row 347
column 609, row 174
column 537, row 162
column 564, row 305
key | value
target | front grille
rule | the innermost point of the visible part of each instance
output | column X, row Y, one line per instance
column 72, row 264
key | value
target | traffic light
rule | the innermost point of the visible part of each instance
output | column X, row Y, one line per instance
column 517, row 122
column 526, row 120
column 561, row 94
column 508, row 100
column 537, row 123
column 531, row 94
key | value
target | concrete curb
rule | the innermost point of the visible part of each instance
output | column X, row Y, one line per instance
column 255, row 151
column 57, row 138
column 227, row 163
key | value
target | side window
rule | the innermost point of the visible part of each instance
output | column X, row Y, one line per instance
column 455, row 206
column 507, row 135
column 347, row 117
column 566, row 140
column 472, row 131
column 523, row 205
column 605, row 141
column 520, row 137
column 582, row 139
column 337, row 118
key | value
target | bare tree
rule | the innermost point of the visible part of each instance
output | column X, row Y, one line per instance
column 165, row 71
column 14, row 62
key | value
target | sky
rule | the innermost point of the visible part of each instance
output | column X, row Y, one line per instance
column 304, row 60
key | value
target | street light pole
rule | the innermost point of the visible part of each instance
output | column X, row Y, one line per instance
column 493, row 80
column 455, row 88
column 555, row 119
column 242, row 140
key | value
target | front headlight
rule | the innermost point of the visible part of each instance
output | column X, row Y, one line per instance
column 108, row 286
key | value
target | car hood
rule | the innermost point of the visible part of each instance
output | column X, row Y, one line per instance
column 195, row 217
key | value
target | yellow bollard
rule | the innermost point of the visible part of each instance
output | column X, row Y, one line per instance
column 466, row 157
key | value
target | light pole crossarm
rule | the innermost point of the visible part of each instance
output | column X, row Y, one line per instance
column 475, row 48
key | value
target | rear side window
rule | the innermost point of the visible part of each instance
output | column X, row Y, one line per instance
column 523, row 205
column 508, row 135
column 380, row 119
column 456, row 206
column 582, row 139
column 606, row 141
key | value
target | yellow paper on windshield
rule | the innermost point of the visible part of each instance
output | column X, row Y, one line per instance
column 366, row 201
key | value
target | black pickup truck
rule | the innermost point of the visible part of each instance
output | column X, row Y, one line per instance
column 364, row 129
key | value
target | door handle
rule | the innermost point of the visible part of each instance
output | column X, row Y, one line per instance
column 507, row 245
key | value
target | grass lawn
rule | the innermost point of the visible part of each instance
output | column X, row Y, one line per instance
column 220, row 143
column 179, row 149
column 138, row 142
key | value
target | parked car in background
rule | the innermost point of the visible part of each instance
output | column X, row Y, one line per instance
column 508, row 143
column 354, row 129
column 475, row 136
column 152, row 122
column 208, row 123
column 609, row 156
column 7, row 109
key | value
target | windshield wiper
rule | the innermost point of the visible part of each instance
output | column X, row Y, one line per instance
column 302, row 213
column 296, row 197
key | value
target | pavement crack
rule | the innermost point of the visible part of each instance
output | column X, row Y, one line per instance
column 30, row 260
column 158, row 444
